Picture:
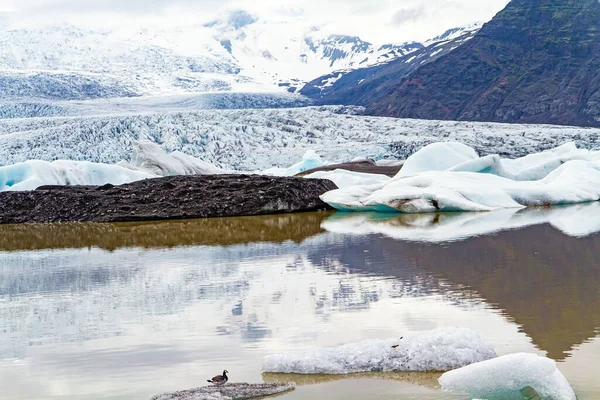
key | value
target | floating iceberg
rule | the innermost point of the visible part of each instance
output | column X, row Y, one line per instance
column 31, row 174
column 575, row 220
column 506, row 377
column 437, row 350
column 149, row 157
column 310, row 160
column 229, row 391
column 450, row 177
column 344, row 178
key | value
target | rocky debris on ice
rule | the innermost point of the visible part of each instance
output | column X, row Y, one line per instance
column 29, row 175
column 451, row 177
column 176, row 197
column 388, row 168
column 149, row 157
column 436, row 350
column 506, row 377
column 577, row 220
column 230, row 391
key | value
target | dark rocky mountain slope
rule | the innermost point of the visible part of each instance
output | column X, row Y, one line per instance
column 537, row 61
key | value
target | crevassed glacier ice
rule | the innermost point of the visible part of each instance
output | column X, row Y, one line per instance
column 565, row 175
column 437, row 350
column 505, row 377
column 574, row 220
column 31, row 174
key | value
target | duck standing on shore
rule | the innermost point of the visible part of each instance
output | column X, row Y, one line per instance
column 220, row 379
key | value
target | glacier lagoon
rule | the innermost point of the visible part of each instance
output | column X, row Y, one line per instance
column 118, row 311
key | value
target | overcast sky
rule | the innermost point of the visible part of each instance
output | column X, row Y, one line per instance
column 375, row 20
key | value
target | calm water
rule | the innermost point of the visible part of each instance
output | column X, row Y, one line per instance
column 125, row 311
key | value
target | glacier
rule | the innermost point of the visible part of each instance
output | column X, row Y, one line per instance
column 437, row 350
column 452, row 177
column 249, row 140
column 504, row 378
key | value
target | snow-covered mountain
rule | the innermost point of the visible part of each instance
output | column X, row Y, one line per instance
column 238, row 52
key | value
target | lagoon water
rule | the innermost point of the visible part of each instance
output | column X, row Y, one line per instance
column 126, row 311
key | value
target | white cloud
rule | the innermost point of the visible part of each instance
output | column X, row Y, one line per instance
column 380, row 21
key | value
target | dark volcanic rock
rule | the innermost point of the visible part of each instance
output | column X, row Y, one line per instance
column 537, row 61
column 175, row 197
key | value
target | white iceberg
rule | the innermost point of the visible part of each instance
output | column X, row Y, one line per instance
column 575, row 220
column 230, row 391
column 30, row 175
column 564, row 175
column 505, row 377
column 344, row 178
column 150, row 157
column 310, row 160
column 436, row 350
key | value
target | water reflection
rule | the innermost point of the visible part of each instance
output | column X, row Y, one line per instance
column 209, row 231
column 172, row 302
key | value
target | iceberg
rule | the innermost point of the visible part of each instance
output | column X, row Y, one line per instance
column 151, row 158
column 507, row 377
column 30, row 175
column 229, row 391
column 310, row 160
column 565, row 175
column 437, row 350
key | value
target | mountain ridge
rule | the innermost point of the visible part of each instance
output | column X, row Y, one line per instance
column 537, row 61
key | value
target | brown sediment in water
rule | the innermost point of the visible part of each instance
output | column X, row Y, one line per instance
column 175, row 197
column 275, row 228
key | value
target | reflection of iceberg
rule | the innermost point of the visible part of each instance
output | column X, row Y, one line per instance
column 450, row 177
column 506, row 377
column 576, row 220
column 437, row 350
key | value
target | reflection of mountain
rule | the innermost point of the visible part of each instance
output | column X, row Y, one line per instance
column 209, row 231
column 548, row 282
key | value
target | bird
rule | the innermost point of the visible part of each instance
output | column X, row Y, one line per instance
column 219, row 379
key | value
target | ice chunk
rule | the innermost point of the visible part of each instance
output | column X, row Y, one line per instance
column 150, row 157
column 229, row 391
column 31, row 174
column 506, row 377
column 437, row 350
column 344, row 178
column 437, row 157
column 310, row 160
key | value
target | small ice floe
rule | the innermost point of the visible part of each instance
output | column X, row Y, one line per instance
column 437, row 350
column 230, row 391
column 510, row 377
column 344, row 178
column 452, row 177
